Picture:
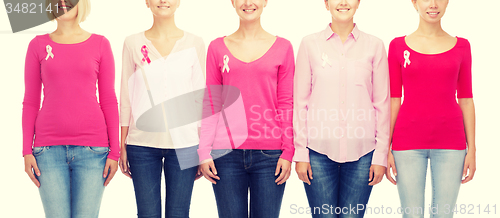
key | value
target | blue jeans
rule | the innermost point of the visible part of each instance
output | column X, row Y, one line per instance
column 446, row 174
column 146, row 164
column 71, row 181
column 241, row 171
column 338, row 189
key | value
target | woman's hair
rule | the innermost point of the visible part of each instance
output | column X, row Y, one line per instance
column 83, row 10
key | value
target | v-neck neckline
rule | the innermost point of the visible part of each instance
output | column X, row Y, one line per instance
column 156, row 52
column 261, row 57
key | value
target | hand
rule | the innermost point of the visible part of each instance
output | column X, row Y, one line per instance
column 391, row 164
column 470, row 165
column 124, row 166
column 208, row 170
column 376, row 174
column 304, row 171
column 199, row 174
column 30, row 166
column 111, row 168
column 285, row 166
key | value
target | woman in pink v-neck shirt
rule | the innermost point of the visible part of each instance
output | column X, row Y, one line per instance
column 341, row 113
column 436, row 123
column 246, row 142
column 74, row 133
column 161, row 103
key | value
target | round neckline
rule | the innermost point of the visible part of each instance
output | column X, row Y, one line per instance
column 251, row 62
column 451, row 49
column 86, row 40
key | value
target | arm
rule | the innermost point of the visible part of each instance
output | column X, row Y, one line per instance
column 31, row 106
column 381, row 104
column 466, row 103
column 107, row 97
column 198, row 78
column 302, row 93
column 396, row 85
column 212, row 103
column 285, row 112
column 285, row 103
column 109, row 107
column 128, row 68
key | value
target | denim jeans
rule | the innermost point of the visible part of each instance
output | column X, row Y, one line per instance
column 446, row 174
column 338, row 189
column 241, row 171
column 146, row 164
column 71, row 181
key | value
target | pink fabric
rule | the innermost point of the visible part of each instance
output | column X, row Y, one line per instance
column 70, row 113
column 341, row 97
column 430, row 117
column 248, row 105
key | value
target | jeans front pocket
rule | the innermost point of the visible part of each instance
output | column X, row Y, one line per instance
column 37, row 151
column 98, row 150
column 271, row 153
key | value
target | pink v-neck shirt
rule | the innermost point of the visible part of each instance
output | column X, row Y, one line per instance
column 71, row 112
column 341, row 97
column 430, row 117
column 256, row 100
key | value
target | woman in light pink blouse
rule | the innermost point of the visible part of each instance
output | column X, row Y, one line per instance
column 341, row 114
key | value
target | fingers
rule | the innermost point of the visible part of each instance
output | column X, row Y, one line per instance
column 370, row 177
column 310, row 172
column 469, row 177
column 109, row 170
column 210, row 172
column 32, row 176
column 31, row 167
column 112, row 171
column 305, row 175
column 199, row 174
column 285, row 172
column 388, row 175
column 378, row 176
column 125, row 168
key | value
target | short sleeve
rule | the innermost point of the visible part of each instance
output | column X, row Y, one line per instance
column 464, row 83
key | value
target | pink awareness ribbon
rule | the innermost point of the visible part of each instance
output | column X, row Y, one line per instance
column 144, row 51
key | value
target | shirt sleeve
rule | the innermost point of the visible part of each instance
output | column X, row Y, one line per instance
column 107, row 97
column 285, row 103
column 302, row 93
column 464, row 86
column 395, row 71
column 381, row 104
column 211, row 102
column 198, row 77
column 128, row 68
column 32, row 95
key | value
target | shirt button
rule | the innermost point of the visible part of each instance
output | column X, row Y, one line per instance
column 342, row 54
column 342, row 68
column 342, row 85
column 342, row 102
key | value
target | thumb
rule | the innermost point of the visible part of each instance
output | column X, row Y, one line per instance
column 371, row 174
column 106, row 168
column 35, row 167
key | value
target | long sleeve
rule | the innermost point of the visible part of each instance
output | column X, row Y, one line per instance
column 302, row 93
column 212, row 102
column 381, row 104
column 285, row 103
column 396, row 80
column 198, row 77
column 464, row 86
column 128, row 68
column 32, row 95
column 107, row 97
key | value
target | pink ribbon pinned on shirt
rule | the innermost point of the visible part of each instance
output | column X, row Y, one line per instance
column 144, row 51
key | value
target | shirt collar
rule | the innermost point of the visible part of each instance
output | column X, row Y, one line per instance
column 328, row 32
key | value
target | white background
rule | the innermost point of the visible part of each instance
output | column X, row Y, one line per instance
column 292, row 19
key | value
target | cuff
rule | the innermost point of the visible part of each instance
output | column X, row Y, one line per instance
column 301, row 154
